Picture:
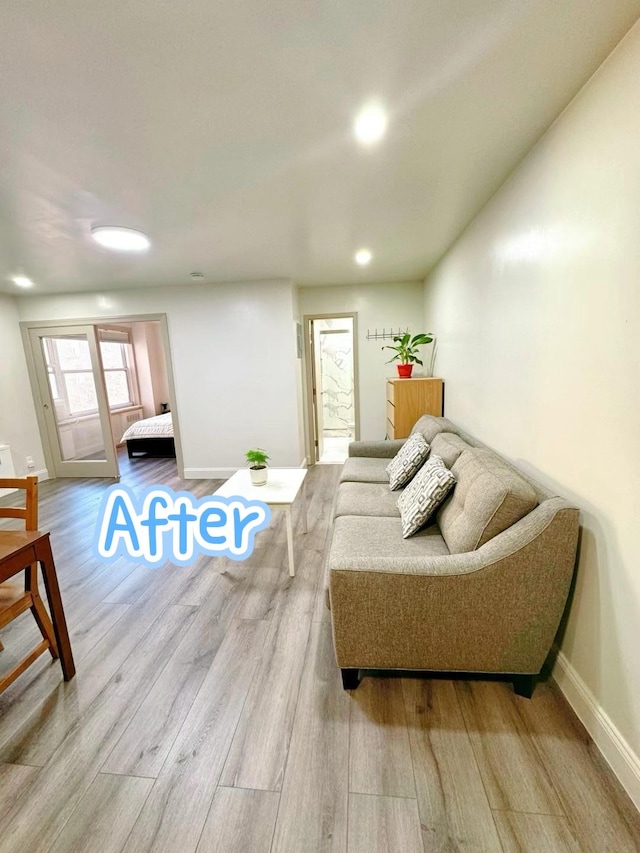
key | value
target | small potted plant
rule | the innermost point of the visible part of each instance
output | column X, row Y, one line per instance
column 406, row 351
column 257, row 460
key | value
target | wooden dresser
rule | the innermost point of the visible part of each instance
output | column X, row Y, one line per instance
column 408, row 399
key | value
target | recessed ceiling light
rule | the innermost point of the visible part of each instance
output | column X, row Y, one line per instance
column 120, row 239
column 363, row 257
column 21, row 281
column 197, row 276
column 370, row 124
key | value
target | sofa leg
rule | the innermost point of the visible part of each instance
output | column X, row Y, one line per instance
column 350, row 678
column 524, row 685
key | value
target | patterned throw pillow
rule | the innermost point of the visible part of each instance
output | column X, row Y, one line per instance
column 407, row 461
column 424, row 494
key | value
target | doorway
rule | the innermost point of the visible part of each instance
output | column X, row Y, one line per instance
column 332, row 399
column 74, row 407
column 91, row 380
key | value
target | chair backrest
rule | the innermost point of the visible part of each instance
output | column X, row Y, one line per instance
column 29, row 512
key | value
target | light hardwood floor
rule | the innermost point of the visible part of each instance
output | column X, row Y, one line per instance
column 207, row 714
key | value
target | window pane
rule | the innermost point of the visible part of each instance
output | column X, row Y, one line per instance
column 117, row 387
column 81, row 392
column 112, row 355
column 53, row 384
column 73, row 353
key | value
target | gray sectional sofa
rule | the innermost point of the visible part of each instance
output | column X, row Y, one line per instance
column 482, row 589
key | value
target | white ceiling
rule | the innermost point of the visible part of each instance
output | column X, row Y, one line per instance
column 222, row 128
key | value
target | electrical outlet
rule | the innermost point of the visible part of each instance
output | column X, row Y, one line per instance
column 30, row 463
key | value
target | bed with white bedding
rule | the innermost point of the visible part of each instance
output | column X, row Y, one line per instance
column 151, row 437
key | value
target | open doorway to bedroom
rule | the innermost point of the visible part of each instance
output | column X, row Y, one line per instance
column 332, row 386
column 103, row 392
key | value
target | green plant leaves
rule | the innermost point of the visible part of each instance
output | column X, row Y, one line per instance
column 407, row 347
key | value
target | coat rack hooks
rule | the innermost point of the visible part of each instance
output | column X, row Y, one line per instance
column 385, row 334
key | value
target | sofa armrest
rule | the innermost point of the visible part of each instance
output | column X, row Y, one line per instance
column 496, row 609
column 377, row 449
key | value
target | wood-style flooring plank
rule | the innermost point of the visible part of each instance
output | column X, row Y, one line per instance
column 313, row 803
column 514, row 776
column 68, row 774
column 601, row 814
column 240, row 821
column 91, row 629
column 535, row 833
column 177, row 807
column 102, row 820
column 453, row 806
column 148, row 739
column 42, row 734
column 259, row 749
column 383, row 825
column 14, row 781
column 379, row 752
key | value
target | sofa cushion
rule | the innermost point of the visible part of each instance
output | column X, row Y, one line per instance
column 361, row 469
column 430, row 426
column 366, row 499
column 424, row 494
column 448, row 446
column 489, row 497
column 407, row 461
column 376, row 544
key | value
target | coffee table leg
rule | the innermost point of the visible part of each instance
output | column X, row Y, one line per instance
column 303, row 500
column 292, row 570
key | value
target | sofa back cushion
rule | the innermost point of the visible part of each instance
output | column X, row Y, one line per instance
column 431, row 425
column 489, row 497
column 448, row 446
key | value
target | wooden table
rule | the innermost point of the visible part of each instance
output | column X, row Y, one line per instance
column 19, row 549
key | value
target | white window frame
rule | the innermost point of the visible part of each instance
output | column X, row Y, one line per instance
column 122, row 336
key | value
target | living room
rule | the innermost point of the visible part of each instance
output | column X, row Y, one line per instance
column 534, row 306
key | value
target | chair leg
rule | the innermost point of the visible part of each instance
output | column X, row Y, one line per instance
column 38, row 609
column 1, row 646
column 350, row 678
column 524, row 685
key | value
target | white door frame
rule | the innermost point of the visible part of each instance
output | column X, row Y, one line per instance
column 311, row 449
column 107, row 467
column 27, row 325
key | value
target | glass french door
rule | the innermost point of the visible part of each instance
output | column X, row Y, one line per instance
column 74, row 401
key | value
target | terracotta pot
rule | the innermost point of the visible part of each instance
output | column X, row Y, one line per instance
column 404, row 370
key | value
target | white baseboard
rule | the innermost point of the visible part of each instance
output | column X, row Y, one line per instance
column 616, row 751
column 208, row 473
column 43, row 474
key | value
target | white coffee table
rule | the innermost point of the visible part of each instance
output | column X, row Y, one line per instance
column 279, row 492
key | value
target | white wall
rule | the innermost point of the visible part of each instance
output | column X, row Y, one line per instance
column 537, row 312
column 157, row 366
column 233, row 357
column 18, row 425
column 377, row 306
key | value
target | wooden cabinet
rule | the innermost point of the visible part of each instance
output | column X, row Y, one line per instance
column 408, row 399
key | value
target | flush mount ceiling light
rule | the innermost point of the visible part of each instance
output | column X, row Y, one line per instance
column 21, row 281
column 363, row 257
column 120, row 239
column 370, row 124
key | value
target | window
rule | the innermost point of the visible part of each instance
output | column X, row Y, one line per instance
column 118, row 365
column 70, row 376
column 115, row 363
column 70, row 373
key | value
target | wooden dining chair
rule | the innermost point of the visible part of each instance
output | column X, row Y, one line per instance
column 14, row 601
